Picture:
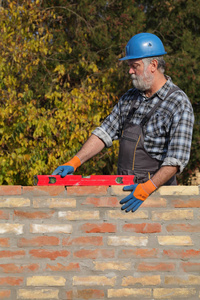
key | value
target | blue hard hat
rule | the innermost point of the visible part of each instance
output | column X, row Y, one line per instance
column 144, row 45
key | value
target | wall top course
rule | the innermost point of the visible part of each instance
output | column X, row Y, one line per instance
column 14, row 190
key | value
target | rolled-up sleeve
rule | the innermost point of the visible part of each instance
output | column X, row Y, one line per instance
column 102, row 134
column 111, row 127
column 179, row 146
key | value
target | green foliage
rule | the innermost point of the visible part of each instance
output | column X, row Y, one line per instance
column 59, row 80
column 60, row 75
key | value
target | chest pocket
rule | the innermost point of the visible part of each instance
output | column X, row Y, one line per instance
column 159, row 125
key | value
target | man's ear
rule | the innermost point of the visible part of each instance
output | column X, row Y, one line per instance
column 154, row 65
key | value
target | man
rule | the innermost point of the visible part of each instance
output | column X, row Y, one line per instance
column 154, row 122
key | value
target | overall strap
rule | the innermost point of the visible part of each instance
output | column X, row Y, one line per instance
column 147, row 117
column 133, row 107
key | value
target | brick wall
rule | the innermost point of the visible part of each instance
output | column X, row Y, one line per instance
column 76, row 243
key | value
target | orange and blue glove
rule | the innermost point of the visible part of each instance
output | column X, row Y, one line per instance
column 68, row 168
column 140, row 192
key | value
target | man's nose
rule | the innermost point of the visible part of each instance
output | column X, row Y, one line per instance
column 131, row 70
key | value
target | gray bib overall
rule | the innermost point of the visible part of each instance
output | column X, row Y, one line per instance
column 133, row 158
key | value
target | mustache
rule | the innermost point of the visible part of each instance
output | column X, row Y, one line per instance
column 133, row 76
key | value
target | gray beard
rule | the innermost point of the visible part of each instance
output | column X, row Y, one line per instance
column 142, row 83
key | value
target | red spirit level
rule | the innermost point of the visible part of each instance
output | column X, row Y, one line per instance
column 84, row 180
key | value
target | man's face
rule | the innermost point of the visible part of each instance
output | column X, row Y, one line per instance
column 140, row 74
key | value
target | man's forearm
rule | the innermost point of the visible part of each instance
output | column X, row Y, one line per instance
column 91, row 147
column 164, row 174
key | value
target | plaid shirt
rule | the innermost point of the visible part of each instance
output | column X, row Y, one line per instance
column 168, row 133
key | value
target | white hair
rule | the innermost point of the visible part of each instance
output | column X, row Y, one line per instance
column 160, row 60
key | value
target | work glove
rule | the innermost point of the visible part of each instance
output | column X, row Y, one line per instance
column 68, row 168
column 140, row 192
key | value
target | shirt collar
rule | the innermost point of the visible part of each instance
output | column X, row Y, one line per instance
column 162, row 92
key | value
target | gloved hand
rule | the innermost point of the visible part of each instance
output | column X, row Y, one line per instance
column 140, row 192
column 68, row 168
column 63, row 171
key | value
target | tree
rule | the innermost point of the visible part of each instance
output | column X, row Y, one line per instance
column 26, row 44
column 60, row 77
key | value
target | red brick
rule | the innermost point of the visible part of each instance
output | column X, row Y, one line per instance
column 8, row 190
column 183, row 228
column 69, row 295
column 85, row 294
column 5, row 294
column 12, row 254
column 4, row 242
column 92, row 240
column 143, row 228
column 102, row 201
column 13, row 281
column 85, row 190
column 33, row 215
column 139, row 253
column 98, row 228
column 161, row 267
column 51, row 254
column 182, row 254
column 93, row 254
column 14, row 268
column 61, row 268
column 186, row 203
column 191, row 266
column 44, row 190
column 39, row 241
column 4, row 215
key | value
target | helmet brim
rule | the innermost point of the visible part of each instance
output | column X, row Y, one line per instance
column 140, row 57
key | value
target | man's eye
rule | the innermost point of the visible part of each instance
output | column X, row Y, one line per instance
column 134, row 66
